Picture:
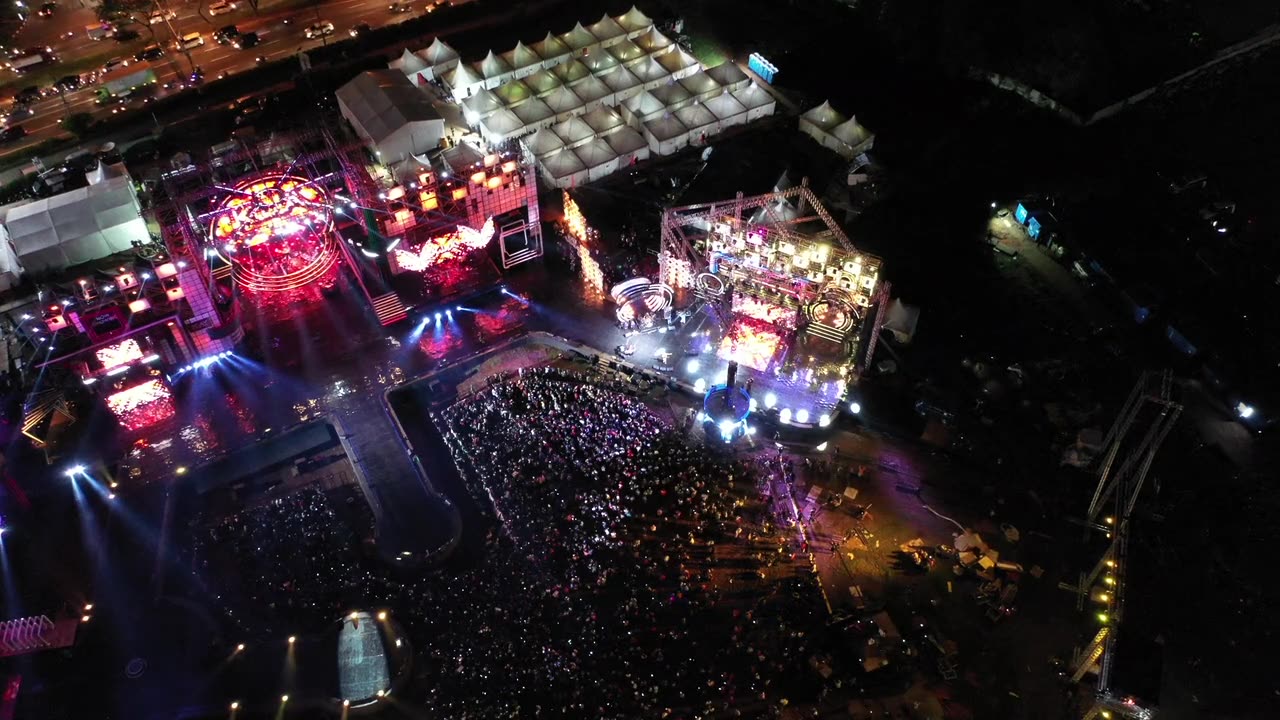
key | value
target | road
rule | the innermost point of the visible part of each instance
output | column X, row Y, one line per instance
column 65, row 33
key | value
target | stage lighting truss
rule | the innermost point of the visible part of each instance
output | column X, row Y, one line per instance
column 276, row 232
column 445, row 248
column 708, row 286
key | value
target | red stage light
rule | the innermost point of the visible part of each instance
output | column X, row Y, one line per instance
column 446, row 247
column 122, row 353
column 142, row 405
column 751, row 343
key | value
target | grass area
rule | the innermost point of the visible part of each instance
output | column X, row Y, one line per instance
column 708, row 50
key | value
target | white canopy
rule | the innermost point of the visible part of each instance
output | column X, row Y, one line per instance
column 622, row 83
column 463, row 80
column 392, row 116
column 729, row 75
column 727, row 109
column 666, row 134
column 598, row 157
column 579, row 38
column 480, row 106
column 679, row 63
column 603, row 120
column 644, row 106
column 601, row 62
column 513, row 92
column 500, row 126
column 852, row 133
column 650, row 73
column 627, row 52
column 74, row 227
column 522, row 57
column 607, row 31
column 563, row 101
column 823, row 116
column 634, row 21
column 440, row 56
column 493, row 69
column 534, row 114
column 573, row 132
column 409, row 63
column 758, row 102
column 628, row 144
column 551, row 48
column 673, row 96
column 572, row 72
column 103, row 172
column 10, row 268
column 543, row 142
column 697, row 118
column 700, row 85
column 834, row 131
column 563, row 169
column 593, row 91
column 543, row 82
column 654, row 42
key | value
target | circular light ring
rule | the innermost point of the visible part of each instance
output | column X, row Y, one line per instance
column 709, row 283
column 276, row 231
column 641, row 300
column 835, row 309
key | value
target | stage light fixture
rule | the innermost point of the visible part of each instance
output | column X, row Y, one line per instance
column 824, row 420
column 785, row 415
column 770, row 400
column 700, row 385
column 802, row 416
column 855, row 407
column 292, row 639
column 437, row 317
column 240, row 647
column 1245, row 410
column 235, row 705
column 694, row 365
column 74, row 470
column 382, row 615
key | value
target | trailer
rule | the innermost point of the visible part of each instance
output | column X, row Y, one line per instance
column 124, row 80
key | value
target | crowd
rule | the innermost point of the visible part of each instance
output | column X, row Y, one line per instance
column 627, row 573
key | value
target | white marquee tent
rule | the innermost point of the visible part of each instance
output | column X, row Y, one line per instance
column 393, row 117
column 700, row 85
column 650, row 73
column 622, row 84
column 523, row 60
column 599, row 159
column 643, row 106
column 579, row 39
column 513, row 93
column 673, row 96
column 758, row 102
column 627, row 53
column 552, row 50
column 534, row 114
column 699, row 120
column 573, row 132
column 608, row 31
column 628, row 144
column 563, row 169
column 728, row 111
column 500, row 126
column 543, row 82
column 593, row 92
column 678, row 63
column 729, row 75
column 563, row 102
column 666, row 135
column 834, row 131
column 480, row 106
column 74, row 227
column 543, row 142
column 572, row 72
column 603, row 120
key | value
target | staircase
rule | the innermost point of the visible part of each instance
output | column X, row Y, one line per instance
column 389, row 308
column 1091, row 654
column 826, row 332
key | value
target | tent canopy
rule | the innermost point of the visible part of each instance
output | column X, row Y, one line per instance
column 649, row 71
column 572, row 72
column 824, row 116
column 542, row 142
column 626, row 52
column 603, row 120
column 595, row 153
column 551, row 47
column 729, row 75
column 439, row 53
column 607, row 30
column 620, row 79
column 481, row 105
column 700, row 84
column 533, row 111
column 654, row 42
column 411, row 63
column 492, row 66
column 626, row 140
column 634, row 21
column 76, row 227
column 672, row 96
column 562, row 100
column 502, row 125
column 600, row 62
column 676, row 61
column 562, row 164
column 665, row 127
column 591, row 89
column 753, row 96
column 542, row 82
column 695, row 116
column 725, row 106
column 573, row 131
column 851, row 133
column 644, row 105
column 579, row 38
column 463, row 77
column 382, row 104
column 522, row 57
column 513, row 92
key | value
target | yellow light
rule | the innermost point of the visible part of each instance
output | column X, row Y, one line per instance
column 181, row 470
column 353, row 615
column 284, row 698
column 1102, row 617
column 346, row 703
column 1110, row 520
column 240, row 647
column 381, row 693
column 84, row 618
column 292, row 639
column 1106, row 714
column 1111, row 563
column 382, row 615
column 1109, row 580
column 1104, row 597
column 235, row 705
column 88, row 607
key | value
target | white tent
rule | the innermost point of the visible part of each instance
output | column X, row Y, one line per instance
column 627, row 53
column 440, row 57
column 665, row 135
column 593, row 92
column 573, row 132
column 411, row 65
column 480, row 106
column 10, row 268
column 103, row 172
column 463, row 80
column 854, row 138
column 834, row 131
column 501, row 126
column 673, row 96
column 607, row 31
column 650, row 73
column 699, row 120
column 603, row 120
column 643, row 106
column 579, row 39
column 74, row 227
column 679, row 63
column 542, row 142
column 599, row 159
column 552, row 50
column 494, row 70
column 823, row 117
column 622, row 84
column 758, row 102
column 513, row 92
column 700, row 85
column 729, row 75
column 635, row 22
column 543, row 82
column 534, row 114
column 523, row 60
column 572, row 72
column 629, row 145
column 563, row 102
column 654, row 42
column 563, row 169
column 393, row 117
column 600, row 63
column 727, row 109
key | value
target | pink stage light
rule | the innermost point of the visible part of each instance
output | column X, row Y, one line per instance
column 142, row 405
column 445, row 247
column 122, row 353
column 751, row 343
column 764, row 311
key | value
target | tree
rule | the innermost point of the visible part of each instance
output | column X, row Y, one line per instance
column 79, row 124
column 127, row 12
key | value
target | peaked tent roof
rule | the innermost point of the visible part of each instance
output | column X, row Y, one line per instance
column 439, row 53
column 626, row 52
column 493, row 66
column 600, row 62
column 523, row 56
column 725, row 106
column 671, row 95
column 626, row 140
column 483, row 104
column 410, row 63
column 579, row 38
column 649, row 70
column 562, row 100
column 753, row 96
column 603, row 120
column 551, row 47
column 533, row 111
column 463, row 76
column 851, row 132
column 654, row 42
column 620, row 79
column 606, row 29
column 573, row 131
column 633, row 20
column 695, row 116
column 700, row 83
column 572, row 72
column 592, row 89
column 824, row 116
column 383, row 101
column 728, row 74
column 595, row 153
column 543, row 141
column 513, row 92
column 543, row 82
column 502, row 123
column 665, row 127
column 562, row 164
column 676, row 60
column 644, row 104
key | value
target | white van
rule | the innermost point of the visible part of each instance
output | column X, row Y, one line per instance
column 190, row 41
column 98, row 31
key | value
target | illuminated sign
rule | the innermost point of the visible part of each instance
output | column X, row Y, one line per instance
column 122, row 353
column 445, row 247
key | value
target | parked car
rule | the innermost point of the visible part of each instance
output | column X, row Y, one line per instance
column 12, row 133
column 226, row 35
column 359, row 30
column 319, row 29
column 150, row 52
column 110, row 65
column 400, row 7
column 221, row 8
column 245, row 41
column 67, row 83
column 190, row 41
column 28, row 95
column 47, row 9
column 160, row 16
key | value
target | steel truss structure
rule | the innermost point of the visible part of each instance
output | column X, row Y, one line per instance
column 786, row 249
column 1133, row 442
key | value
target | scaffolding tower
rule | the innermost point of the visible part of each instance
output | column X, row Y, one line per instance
column 1131, row 445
